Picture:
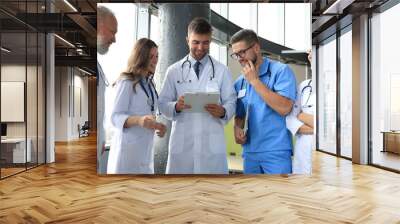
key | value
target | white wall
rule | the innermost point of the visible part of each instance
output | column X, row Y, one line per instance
column 80, row 83
column 33, row 126
column 69, row 85
column 299, row 71
column 12, row 73
column 61, row 103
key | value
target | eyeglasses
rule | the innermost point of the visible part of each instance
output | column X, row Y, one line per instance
column 241, row 53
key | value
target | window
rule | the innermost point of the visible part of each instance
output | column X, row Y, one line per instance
column 346, row 94
column 23, row 78
column 271, row 24
column 298, row 26
column 156, row 37
column 219, row 52
column 243, row 15
column 286, row 24
column 385, row 87
column 155, row 29
column 220, row 8
column 115, row 61
column 327, row 96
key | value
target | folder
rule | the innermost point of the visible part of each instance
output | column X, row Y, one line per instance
column 246, row 121
column 198, row 100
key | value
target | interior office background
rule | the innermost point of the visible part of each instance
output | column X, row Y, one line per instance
column 288, row 25
column 341, row 87
column 44, row 97
column 22, row 97
column 32, row 61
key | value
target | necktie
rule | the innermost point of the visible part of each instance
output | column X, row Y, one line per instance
column 197, row 68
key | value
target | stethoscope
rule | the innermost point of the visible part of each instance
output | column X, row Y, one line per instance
column 308, row 86
column 150, row 102
column 185, row 79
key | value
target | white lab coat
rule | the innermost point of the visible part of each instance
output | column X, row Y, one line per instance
column 131, row 148
column 197, row 141
column 302, row 156
column 101, row 88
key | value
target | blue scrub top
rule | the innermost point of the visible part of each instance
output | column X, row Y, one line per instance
column 266, row 128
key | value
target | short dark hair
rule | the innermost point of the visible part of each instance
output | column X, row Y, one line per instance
column 199, row 25
column 246, row 35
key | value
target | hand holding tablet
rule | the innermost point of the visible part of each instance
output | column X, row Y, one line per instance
column 199, row 100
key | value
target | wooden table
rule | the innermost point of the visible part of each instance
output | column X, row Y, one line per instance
column 391, row 141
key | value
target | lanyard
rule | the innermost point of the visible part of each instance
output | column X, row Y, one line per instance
column 149, row 102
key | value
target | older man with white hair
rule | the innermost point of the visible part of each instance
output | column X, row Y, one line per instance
column 107, row 26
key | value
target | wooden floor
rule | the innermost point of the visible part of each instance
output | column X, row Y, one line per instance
column 10, row 171
column 70, row 191
column 386, row 159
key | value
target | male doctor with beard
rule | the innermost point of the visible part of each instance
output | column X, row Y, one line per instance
column 197, row 141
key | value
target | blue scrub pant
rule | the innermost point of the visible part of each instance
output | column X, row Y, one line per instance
column 273, row 162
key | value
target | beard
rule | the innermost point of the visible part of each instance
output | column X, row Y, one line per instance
column 102, row 48
column 198, row 56
column 254, row 60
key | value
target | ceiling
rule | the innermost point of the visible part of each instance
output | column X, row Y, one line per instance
column 75, row 22
column 72, row 20
column 328, row 16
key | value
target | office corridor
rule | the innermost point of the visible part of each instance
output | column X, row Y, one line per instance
column 70, row 191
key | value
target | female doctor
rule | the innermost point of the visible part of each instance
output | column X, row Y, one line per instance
column 133, row 114
column 300, row 123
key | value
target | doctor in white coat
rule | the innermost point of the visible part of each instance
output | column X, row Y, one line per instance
column 300, row 123
column 197, row 141
column 133, row 114
column 107, row 27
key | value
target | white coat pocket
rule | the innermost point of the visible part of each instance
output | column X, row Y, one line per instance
column 216, row 137
column 212, row 86
column 177, row 139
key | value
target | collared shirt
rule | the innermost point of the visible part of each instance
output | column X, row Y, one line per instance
column 203, row 62
column 266, row 128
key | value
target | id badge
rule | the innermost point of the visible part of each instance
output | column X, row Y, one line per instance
column 242, row 93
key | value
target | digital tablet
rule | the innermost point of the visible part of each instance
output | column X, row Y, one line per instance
column 199, row 100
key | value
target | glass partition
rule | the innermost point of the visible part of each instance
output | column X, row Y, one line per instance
column 22, row 88
column 14, row 153
column 346, row 94
column 385, row 89
column 327, row 96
